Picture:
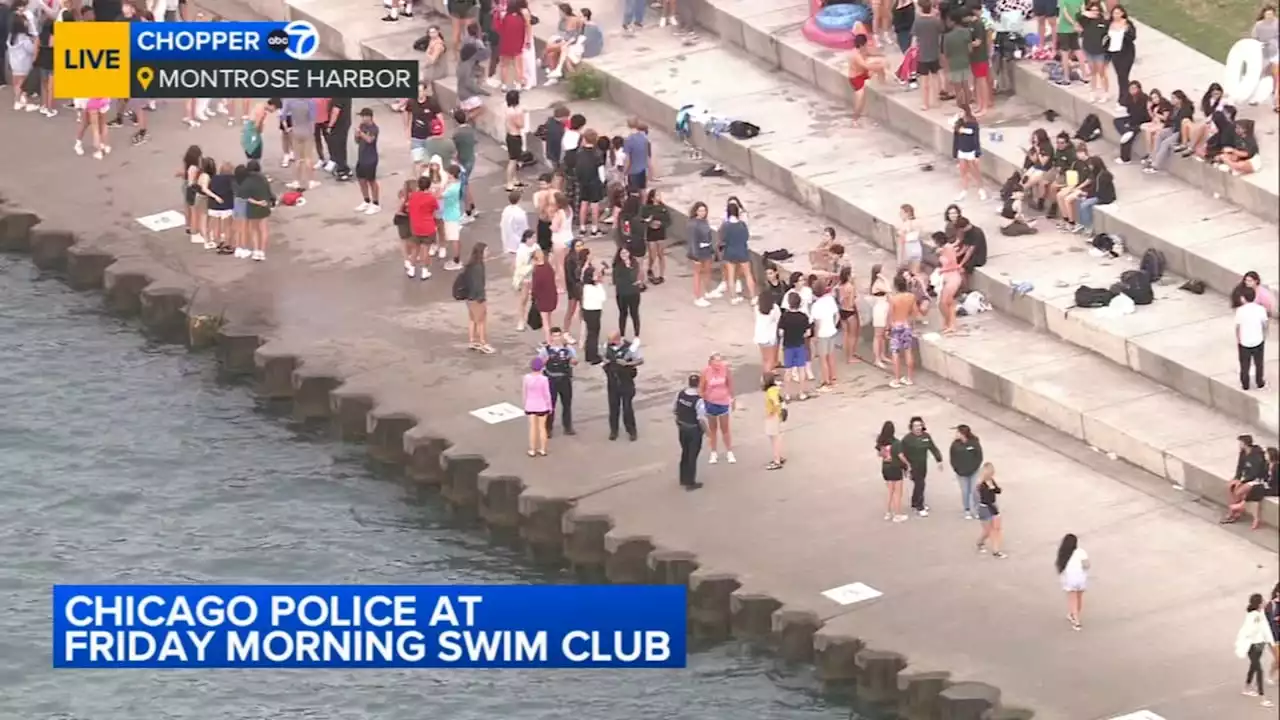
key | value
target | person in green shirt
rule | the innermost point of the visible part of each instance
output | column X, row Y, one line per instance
column 917, row 446
column 259, row 199
column 1069, row 50
column 464, row 142
column 957, row 45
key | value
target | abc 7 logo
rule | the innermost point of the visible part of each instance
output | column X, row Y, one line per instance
column 298, row 40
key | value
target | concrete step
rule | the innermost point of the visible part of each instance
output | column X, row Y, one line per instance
column 805, row 151
column 1085, row 395
column 1202, row 236
column 1164, row 63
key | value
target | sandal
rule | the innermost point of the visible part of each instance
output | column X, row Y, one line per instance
column 530, row 453
column 486, row 349
column 773, row 466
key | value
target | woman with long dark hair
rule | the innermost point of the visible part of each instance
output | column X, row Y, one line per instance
column 893, row 467
column 1192, row 136
column 1272, row 611
column 593, row 299
column 850, row 323
column 966, row 148
column 702, row 251
column 966, row 461
column 766, row 331
column 626, row 288
column 656, row 218
column 1121, row 34
column 20, row 49
column 1072, row 564
column 879, row 314
column 1138, row 113
column 1253, row 638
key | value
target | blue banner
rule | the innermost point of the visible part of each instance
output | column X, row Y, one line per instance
column 369, row 626
column 217, row 41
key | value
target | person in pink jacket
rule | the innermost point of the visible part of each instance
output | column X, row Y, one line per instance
column 537, row 405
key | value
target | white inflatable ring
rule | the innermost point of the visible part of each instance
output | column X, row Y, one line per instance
column 1244, row 70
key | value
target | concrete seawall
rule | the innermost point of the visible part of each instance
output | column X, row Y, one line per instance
column 495, row 498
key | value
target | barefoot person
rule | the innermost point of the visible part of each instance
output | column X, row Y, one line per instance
column 902, row 314
column 850, row 325
column 862, row 65
column 893, row 465
column 948, row 257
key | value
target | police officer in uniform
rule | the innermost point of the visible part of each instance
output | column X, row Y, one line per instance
column 691, row 423
column 621, row 358
column 559, row 359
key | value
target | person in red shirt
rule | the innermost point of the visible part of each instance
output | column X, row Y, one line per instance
column 422, row 206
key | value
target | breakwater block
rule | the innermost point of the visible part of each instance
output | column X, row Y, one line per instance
column 918, row 694
column 386, row 435
column 422, row 448
column 49, row 247
column 627, row 561
column 1012, row 713
column 15, row 229
column 122, row 286
column 461, row 484
column 542, row 528
column 710, row 611
column 499, row 504
column 584, row 544
column 163, row 311
column 751, row 615
column 86, row 266
column 311, row 389
column 836, row 659
column 968, row 701
column 349, row 413
column 878, row 675
column 273, row 373
column 792, row 634
column 235, row 350
column 671, row 567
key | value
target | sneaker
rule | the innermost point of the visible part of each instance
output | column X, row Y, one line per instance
column 899, row 518
column 662, row 22
column 313, row 184
column 982, row 194
column 112, row 123
column 729, row 457
column 373, row 209
column 97, row 154
column 1267, row 703
column 286, row 160
column 982, row 548
column 362, row 207
column 674, row 22
column 1121, row 161
column 1149, row 170
column 329, row 166
column 968, row 516
column 964, row 195
column 520, row 326
column 713, row 459
column 241, row 253
column 79, row 148
column 888, row 516
column 923, row 513
column 259, row 255
column 410, row 270
column 139, row 138
column 319, row 165
column 441, row 252
column 210, row 245
column 293, row 185
column 1249, row 693
column 452, row 266
column 197, row 239
column 425, row 274
column 999, row 555
column 700, row 302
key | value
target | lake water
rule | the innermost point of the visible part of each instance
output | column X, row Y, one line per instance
column 128, row 463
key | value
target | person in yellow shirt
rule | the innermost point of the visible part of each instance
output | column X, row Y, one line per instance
column 775, row 414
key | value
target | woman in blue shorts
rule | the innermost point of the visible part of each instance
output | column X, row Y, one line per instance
column 992, row 534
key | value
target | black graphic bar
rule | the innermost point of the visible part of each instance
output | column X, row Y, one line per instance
column 255, row 79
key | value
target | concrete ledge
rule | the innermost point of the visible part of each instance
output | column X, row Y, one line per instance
column 236, row 350
column 273, row 372
column 122, row 284
column 792, row 634
column 49, row 247
column 422, row 448
column 710, row 604
column 461, row 485
column 627, row 561
column 386, row 429
column 311, row 390
column 752, row 615
column 15, row 229
column 87, row 267
column 349, row 410
column 163, row 311
column 836, row 658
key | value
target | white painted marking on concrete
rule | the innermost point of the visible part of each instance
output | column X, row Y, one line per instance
column 167, row 220
column 1140, row 715
column 851, row 593
column 495, row 414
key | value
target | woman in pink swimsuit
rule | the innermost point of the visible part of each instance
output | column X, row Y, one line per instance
column 717, row 395
column 948, row 258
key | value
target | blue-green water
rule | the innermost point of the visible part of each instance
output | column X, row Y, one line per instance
column 125, row 462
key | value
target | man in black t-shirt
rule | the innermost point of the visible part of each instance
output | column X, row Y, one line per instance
column 794, row 330
column 337, row 132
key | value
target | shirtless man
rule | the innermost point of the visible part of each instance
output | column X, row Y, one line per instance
column 544, row 208
column 902, row 312
column 862, row 65
column 515, row 127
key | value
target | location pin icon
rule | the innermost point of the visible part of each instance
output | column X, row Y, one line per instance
column 145, row 76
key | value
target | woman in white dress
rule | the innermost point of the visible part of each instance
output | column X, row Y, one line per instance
column 766, row 332
column 1252, row 640
column 1073, row 570
column 879, row 314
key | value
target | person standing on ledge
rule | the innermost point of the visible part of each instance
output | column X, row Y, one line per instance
column 621, row 358
column 559, row 359
column 691, row 424
column 916, row 447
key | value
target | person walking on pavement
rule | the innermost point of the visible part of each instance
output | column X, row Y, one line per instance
column 691, row 424
column 560, row 359
column 917, row 446
column 621, row 358
column 1252, row 640
column 966, row 460
column 989, row 513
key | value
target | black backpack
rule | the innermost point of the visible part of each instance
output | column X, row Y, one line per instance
column 743, row 130
column 1092, row 297
column 460, row 286
column 1152, row 264
column 1137, row 285
column 1090, row 128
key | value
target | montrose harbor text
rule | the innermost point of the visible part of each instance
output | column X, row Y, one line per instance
column 311, row 79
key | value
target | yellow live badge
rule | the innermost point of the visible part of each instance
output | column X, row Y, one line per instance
column 92, row 60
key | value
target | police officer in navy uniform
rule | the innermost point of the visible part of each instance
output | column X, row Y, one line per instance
column 559, row 360
column 621, row 358
column 691, row 424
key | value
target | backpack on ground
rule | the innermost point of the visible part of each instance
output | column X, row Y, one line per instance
column 460, row 287
column 1137, row 285
column 1090, row 128
column 743, row 130
column 1092, row 297
column 1152, row 264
